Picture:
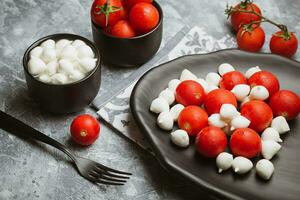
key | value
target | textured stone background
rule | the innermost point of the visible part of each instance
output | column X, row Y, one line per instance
column 33, row 171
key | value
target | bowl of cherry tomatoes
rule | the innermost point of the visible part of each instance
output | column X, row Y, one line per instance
column 127, row 32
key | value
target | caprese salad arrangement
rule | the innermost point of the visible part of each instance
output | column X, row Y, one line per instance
column 125, row 18
column 245, row 112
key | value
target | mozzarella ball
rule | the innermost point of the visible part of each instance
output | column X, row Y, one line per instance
column 36, row 52
column 76, row 75
column 228, row 111
column 203, row 83
column 60, row 44
column 210, row 88
column 224, row 161
column 239, row 122
column 172, row 85
column 68, row 52
column 259, row 92
column 87, row 64
column 45, row 78
column 280, row 124
column 241, row 165
column 216, row 120
column 78, row 43
column 59, row 78
column 48, row 55
column 36, row 66
column 264, row 168
column 168, row 95
column 159, row 105
column 225, row 68
column 187, row 75
column 85, row 51
column 48, row 44
column 52, row 67
column 269, row 149
column 175, row 111
column 252, row 71
column 241, row 91
column 165, row 120
column 180, row 138
column 271, row 134
column 213, row 78
column 66, row 66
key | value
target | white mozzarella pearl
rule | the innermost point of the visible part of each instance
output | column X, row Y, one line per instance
column 52, row 67
column 180, row 138
column 241, row 91
column 36, row 66
column 269, row 149
column 203, row 83
column 85, row 51
column 264, row 168
column 172, row 85
column 45, row 78
column 216, row 120
column 175, row 111
column 239, row 122
column 66, row 66
column 187, row 75
column 168, row 95
column 159, row 105
column 225, row 68
column 228, row 111
column 87, row 64
column 271, row 134
column 213, row 78
column 224, row 161
column 36, row 52
column 76, row 75
column 252, row 71
column 59, row 78
column 48, row 55
column 68, row 52
column 60, row 44
column 259, row 92
column 210, row 88
column 78, row 43
column 280, row 124
column 241, row 165
column 165, row 120
column 48, row 44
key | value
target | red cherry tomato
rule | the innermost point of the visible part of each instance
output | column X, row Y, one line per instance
column 129, row 3
column 85, row 129
column 216, row 98
column 240, row 18
column 190, row 93
column 266, row 79
column 122, row 29
column 259, row 113
column 143, row 17
column 245, row 142
column 106, row 12
column 285, row 103
column 192, row 119
column 283, row 45
column 231, row 79
column 211, row 141
column 251, row 40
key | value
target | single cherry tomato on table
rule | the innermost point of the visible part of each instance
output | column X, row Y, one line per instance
column 190, row 93
column 85, row 129
column 259, row 113
column 285, row 103
column 284, row 44
column 129, row 3
column 122, row 29
column 245, row 142
column 239, row 18
column 266, row 79
column 231, row 79
column 216, row 98
column 251, row 39
column 143, row 17
column 192, row 119
column 106, row 12
column 211, row 141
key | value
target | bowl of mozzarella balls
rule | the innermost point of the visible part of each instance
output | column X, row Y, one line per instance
column 62, row 72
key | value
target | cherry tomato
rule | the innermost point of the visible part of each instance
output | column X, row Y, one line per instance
column 129, row 3
column 216, row 98
column 190, row 93
column 231, row 79
column 85, row 129
column 284, row 45
column 192, row 119
column 239, row 18
column 122, row 29
column 266, row 79
column 285, row 103
column 259, row 113
column 143, row 17
column 124, row 11
column 106, row 12
column 245, row 142
column 251, row 40
column 211, row 141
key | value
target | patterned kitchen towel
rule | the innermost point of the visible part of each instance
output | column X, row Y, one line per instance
column 116, row 111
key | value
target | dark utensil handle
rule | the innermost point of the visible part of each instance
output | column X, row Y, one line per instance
column 16, row 127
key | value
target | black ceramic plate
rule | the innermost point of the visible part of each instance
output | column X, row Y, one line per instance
column 285, row 183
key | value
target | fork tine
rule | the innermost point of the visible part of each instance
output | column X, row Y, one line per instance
column 112, row 170
column 102, row 176
column 110, row 174
column 107, row 182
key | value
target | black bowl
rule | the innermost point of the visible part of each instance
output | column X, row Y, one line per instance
column 67, row 98
column 129, row 51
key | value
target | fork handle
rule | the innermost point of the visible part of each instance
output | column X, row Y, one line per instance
column 16, row 127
